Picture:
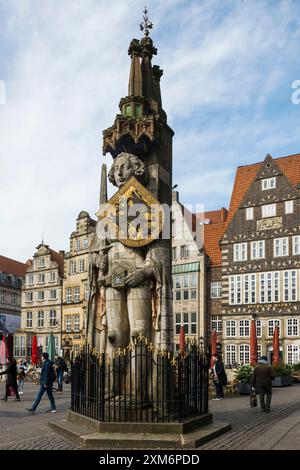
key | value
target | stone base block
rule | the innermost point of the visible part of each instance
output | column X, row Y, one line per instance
column 89, row 433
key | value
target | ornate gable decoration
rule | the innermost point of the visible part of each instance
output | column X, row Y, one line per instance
column 132, row 216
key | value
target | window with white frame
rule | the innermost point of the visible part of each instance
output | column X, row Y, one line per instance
column 259, row 351
column 249, row 213
column 82, row 265
column 184, row 252
column 290, row 286
column 72, row 267
column 244, row 354
column 56, row 343
column 52, row 276
column 268, row 210
column 244, row 328
column 76, row 323
column 230, row 328
column 296, row 245
column 53, row 294
column 52, row 318
column 19, row 346
column 271, row 327
column 41, row 295
column 193, row 279
column 249, row 288
column 85, row 243
column 289, row 207
column 2, row 297
column 14, row 298
column 240, row 252
column 76, row 293
column 281, row 246
column 292, row 326
column 29, row 345
column 41, row 278
column 68, row 323
column 268, row 183
column 258, row 249
column 174, row 253
column 230, row 354
column 42, row 262
column 258, row 328
column 269, row 287
column 78, row 244
column 68, row 295
column 189, row 322
column 29, row 320
column 216, row 289
column 41, row 318
column 86, row 291
column 28, row 296
column 293, row 354
column 216, row 323
column 235, row 289
column 30, row 279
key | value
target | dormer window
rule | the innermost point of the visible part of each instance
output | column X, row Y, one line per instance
column 268, row 183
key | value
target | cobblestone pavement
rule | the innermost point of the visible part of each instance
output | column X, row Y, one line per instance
column 20, row 430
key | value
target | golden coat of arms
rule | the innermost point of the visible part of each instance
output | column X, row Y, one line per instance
column 132, row 216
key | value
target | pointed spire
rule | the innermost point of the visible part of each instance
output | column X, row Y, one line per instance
column 103, row 185
column 135, row 85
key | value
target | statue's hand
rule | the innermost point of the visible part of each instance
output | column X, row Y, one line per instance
column 136, row 278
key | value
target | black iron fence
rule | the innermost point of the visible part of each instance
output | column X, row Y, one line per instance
column 140, row 384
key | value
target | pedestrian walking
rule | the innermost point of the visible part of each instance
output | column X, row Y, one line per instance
column 262, row 382
column 60, row 367
column 11, row 380
column 21, row 373
column 219, row 377
column 46, row 381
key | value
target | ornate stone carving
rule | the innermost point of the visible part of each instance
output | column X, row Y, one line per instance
column 270, row 223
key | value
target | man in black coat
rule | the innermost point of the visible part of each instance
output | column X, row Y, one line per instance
column 46, row 383
column 220, row 377
column 11, row 381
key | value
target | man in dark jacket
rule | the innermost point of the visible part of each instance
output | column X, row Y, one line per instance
column 46, row 382
column 220, row 377
column 262, row 382
column 11, row 381
column 61, row 367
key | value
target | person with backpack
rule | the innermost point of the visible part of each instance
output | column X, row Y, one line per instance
column 61, row 367
column 46, row 382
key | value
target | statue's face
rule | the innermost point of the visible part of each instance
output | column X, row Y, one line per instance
column 123, row 171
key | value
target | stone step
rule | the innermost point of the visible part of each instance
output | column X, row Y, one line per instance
column 83, row 436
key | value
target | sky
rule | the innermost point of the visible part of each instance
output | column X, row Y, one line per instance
column 228, row 68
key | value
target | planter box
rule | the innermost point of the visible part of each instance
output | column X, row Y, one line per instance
column 244, row 388
column 283, row 381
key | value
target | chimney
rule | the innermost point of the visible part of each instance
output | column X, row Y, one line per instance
column 224, row 213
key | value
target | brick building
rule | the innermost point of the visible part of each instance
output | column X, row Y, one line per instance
column 261, row 260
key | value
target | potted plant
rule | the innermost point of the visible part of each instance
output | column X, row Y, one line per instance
column 244, row 377
column 283, row 376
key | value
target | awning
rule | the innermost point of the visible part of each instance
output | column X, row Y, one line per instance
column 186, row 268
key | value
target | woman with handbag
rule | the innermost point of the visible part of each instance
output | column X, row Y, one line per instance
column 11, row 380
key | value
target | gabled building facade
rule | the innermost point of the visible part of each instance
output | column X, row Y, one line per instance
column 188, row 273
column 12, row 274
column 41, row 302
column 261, row 260
column 75, row 286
